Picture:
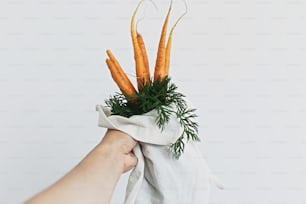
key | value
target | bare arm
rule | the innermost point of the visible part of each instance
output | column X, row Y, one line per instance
column 93, row 180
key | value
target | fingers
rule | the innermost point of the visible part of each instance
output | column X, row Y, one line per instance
column 130, row 161
column 121, row 145
column 120, row 140
column 130, row 142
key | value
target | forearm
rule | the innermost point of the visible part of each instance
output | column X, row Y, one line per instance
column 91, row 181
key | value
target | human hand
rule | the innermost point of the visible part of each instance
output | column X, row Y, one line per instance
column 119, row 146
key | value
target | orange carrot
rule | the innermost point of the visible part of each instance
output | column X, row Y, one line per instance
column 145, row 57
column 169, row 43
column 119, row 76
column 161, row 53
column 115, row 61
column 140, row 65
column 167, row 60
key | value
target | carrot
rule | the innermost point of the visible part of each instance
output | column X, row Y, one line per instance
column 167, row 58
column 161, row 53
column 141, row 72
column 145, row 57
column 169, row 43
column 115, row 61
column 119, row 76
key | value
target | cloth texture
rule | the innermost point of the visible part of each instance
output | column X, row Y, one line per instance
column 159, row 178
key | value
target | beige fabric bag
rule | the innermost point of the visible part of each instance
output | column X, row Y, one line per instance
column 159, row 178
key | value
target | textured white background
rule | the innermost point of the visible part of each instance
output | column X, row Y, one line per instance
column 242, row 63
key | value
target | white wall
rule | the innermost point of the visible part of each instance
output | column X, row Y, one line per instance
column 242, row 63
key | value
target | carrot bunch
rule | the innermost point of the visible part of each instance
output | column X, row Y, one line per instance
column 162, row 64
column 153, row 93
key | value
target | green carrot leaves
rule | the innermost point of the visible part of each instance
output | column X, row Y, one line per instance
column 167, row 101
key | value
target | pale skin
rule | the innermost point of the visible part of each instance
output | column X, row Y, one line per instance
column 93, row 180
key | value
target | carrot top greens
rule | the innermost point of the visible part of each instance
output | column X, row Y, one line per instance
column 163, row 97
column 157, row 94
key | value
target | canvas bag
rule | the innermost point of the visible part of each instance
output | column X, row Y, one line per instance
column 158, row 177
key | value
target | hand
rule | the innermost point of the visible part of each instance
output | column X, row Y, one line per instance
column 119, row 145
